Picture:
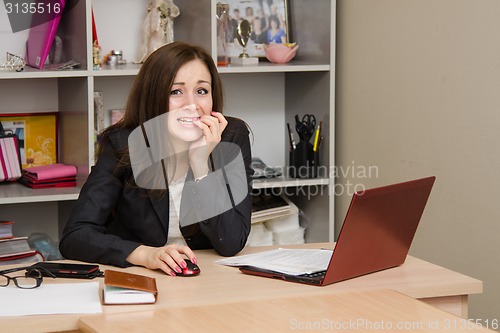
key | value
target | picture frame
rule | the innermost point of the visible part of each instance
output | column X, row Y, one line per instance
column 260, row 14
column 38, row 136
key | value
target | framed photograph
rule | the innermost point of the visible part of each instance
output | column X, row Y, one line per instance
column 268, row 19
column 37, row 134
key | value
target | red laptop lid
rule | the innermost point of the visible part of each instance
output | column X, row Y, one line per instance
column 378, row 229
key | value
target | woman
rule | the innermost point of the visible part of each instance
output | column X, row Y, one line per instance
column 258, row 35
column 275, row 34
column 122, row 217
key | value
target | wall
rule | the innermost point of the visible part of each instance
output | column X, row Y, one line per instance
column 418, row 94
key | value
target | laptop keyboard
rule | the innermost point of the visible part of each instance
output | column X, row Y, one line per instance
column 314, row 275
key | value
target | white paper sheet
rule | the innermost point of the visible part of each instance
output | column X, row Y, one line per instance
column 50, row 299
column 288, row 261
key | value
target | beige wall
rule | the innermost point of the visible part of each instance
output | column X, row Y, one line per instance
column 418, row 94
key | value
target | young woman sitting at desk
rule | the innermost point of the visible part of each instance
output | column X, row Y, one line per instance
column 171, row 177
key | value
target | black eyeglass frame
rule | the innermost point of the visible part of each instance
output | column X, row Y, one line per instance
column 31, row 272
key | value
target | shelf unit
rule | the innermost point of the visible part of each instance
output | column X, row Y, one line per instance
column 266, row 96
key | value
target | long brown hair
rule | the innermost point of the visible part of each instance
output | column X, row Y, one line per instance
column 150, row 93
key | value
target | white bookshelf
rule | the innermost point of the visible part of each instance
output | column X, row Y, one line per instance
column 266, row 96
column 15, row 194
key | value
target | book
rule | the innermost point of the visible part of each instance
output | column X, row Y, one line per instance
column 10, row 163
column 127, row 288
column 50, row 172
column 31, row 256
column 14, row 245
column 267, row 202
column 53, row 175
column 58, row 182
column 6, row 229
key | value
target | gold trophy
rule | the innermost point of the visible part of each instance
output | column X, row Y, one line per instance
column 243, row 35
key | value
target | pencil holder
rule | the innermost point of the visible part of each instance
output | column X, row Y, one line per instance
column 304, row 161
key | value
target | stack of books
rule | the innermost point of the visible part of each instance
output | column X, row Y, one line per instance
column 266, row 206
column 15, row 250
column 53, row 175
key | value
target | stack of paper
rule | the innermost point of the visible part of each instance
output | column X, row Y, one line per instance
column 288, row 261
column 51, row 299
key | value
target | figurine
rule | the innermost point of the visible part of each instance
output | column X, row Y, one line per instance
column 158, row 28
column 96, row 55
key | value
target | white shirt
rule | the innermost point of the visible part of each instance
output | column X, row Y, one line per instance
column 175, row 194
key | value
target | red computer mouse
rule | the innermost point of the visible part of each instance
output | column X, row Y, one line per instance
column 190, row 270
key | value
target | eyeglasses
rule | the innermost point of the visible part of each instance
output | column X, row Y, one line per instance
column 31, row 279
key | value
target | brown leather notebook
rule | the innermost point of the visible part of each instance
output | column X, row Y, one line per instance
column 127, row 288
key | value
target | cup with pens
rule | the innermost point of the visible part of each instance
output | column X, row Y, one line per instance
column 304, row 155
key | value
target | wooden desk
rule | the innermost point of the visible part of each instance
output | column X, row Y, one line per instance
column 219, row 284
column 369, row 311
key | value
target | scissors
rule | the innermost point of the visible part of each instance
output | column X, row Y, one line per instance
column 305, row 127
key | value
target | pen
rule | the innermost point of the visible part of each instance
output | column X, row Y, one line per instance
column 316, row 139
column 290, row 134
column 320, row 135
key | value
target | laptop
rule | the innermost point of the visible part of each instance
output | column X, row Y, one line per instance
column 377, row 233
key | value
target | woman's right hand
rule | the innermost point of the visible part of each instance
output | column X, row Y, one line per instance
column 168, row 258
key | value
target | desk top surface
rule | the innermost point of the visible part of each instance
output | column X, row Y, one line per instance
column 368, row 311
column 219, row 284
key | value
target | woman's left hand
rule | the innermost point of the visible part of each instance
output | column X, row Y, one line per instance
column 212, row 127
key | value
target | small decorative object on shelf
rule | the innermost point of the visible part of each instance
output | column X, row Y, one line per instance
column 243, row 35
column 12, row 63
column 96, row 55
column 115, row 57
column 280, row 53
column 158, row 27
column 223, row 33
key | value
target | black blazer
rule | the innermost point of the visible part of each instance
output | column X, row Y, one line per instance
column 110, row 219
